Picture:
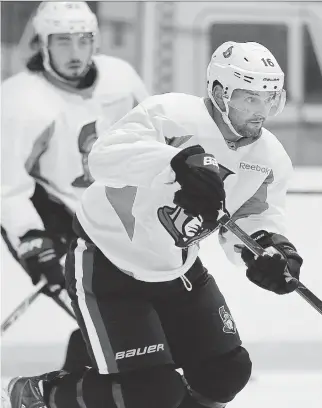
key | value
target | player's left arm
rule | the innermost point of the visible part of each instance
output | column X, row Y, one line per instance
column 139, row 90
column 263, row 217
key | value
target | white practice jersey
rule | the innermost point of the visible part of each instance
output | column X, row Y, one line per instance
column 128, row 212
column 47, row 132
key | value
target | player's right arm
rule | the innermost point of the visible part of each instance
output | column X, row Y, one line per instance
column 133, row 152
column 18, row 140
column 25, row 134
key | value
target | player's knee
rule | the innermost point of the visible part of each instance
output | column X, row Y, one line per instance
column 159, row 387
column 221, row 378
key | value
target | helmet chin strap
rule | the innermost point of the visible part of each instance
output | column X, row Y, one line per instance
column 225, row 117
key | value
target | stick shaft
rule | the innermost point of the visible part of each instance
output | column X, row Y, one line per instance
column 23, row 306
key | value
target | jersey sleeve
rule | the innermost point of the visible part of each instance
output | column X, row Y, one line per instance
column 134, row 151
column 23, row 138
column 140, row 91
column 264, row 211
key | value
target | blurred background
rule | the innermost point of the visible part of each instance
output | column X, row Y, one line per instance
column 170, row 44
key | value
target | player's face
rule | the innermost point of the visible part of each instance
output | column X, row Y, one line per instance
column 248, row 111
column 70, row 54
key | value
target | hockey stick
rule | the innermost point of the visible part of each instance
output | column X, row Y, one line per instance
column 253, row 246
column 23, row 306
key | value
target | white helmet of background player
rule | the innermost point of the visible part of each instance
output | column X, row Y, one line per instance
column 247, row 66
column 64, row 17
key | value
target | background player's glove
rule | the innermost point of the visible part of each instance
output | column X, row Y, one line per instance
column 38, row 256
column 202, row 190
column 269, row 272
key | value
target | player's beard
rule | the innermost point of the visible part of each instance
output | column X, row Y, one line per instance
column 248, row 130
column 76, row 74
column 71, row 74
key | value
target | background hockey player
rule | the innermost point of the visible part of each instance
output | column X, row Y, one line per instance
column 49, row 115
column 144, row 301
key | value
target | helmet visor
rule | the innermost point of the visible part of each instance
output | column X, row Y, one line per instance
column 266, row 103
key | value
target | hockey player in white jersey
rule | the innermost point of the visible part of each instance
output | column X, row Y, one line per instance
column 144, row 301
column 49, row 116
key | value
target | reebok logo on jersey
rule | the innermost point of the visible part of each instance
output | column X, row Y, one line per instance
column 254, row 167
column 153, row 348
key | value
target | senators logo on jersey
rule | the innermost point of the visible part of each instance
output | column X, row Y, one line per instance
column 228, row 321
column 184, row 229
column 86, row 140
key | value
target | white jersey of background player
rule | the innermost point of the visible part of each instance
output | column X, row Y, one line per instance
column 49, row 116
column 245, row 86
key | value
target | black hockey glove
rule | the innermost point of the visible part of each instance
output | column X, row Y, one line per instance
column 38, row 256
column 269, row 272
column 202, row 190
